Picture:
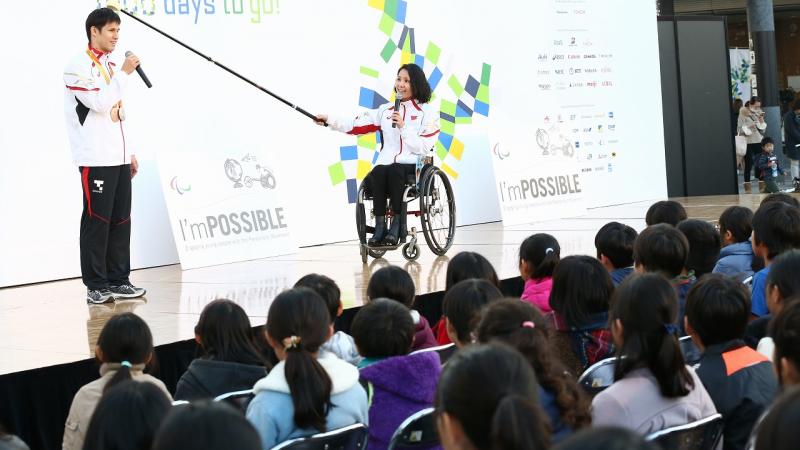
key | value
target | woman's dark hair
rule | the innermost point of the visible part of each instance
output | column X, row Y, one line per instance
column 394, row 283
column 606, row 438
column 615, row 241
column 755, row 99
column 206, row 425
column 647, row 307
column 718, row 309
column 542, row 252
column 226, row 334
column 383, row 328
column 784, row 274
column 780, row 197
column 522, row 326
column 463, row 303
column 299, row 320
column 776, row 225
column 99, row 18
column 739, row 221
column 581, row 287
column 665, row 211
column 785, row 332
column 326, row 288
column 125, row 338
column 778, row 430
column 466, row 265
column 661, row 248
column 705, row 244
column 492, row 391
column 419, row 83
column 127, row 417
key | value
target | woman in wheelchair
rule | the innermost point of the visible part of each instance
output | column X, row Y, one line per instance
column 406, row 134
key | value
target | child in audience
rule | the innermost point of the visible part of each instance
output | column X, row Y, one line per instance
column 124, row 347
column 340, row 344
column 206, row 425
column 488, row 399
column 580, row 298
column 462, row 306
column 230, row 358
column 464, row 266
column 776, row 229
column 538, row 256
column 664, row 249
column 781, row 197
column 767, row 166
column 304, row 394
column 606, row 438
column 522, row 326
column 614, row 244
column 783, row 286
column 740, row 381
column 665, row 211
column 780, row 429
column 400, row 383
column 654, row 388
column 395, row 283
column 9, row 441
column 736, row 255
column 785, row 330
column 127, row 417
column 704, row 245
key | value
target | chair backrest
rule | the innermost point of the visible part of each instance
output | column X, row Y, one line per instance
column 418, row 430
column 691, row 354
column 598, row 376
column 701, row 435
column 237, row 399
column 444, row 351
column 353, row 437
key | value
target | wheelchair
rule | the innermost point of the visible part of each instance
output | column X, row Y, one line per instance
column 437, row 214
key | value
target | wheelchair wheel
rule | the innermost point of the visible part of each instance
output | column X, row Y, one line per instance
column 438, row 208
column 411, row 252
column 365, row 224
column 376, row 253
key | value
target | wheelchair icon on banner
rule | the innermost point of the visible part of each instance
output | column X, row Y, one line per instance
column 249, row 172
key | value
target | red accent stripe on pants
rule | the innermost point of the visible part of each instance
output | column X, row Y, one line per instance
column 86, row 192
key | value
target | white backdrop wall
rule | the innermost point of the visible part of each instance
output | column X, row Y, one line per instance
column 326, row 56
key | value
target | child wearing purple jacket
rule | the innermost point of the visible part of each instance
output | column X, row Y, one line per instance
column 399, row 383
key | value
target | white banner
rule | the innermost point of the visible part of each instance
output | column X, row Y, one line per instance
column 741, row 70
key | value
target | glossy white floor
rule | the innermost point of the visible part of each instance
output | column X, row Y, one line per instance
column 50, row 323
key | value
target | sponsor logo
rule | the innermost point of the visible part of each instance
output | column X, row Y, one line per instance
column 543, row 72
column 589, row 56
column 573, row 42
column 607, row 83
column 561, row 85
column 558, row 57
column 606, row 70
column 542, row 57
column 611, row 114
column 559, row 71
column 574, row 57
column 501, row 154
column 606, row 55
column 176, row 186
column 589, row 70
column 99, row 186
column 612, row 127
column 558, row 42
column 576, row 85
column 591, row 84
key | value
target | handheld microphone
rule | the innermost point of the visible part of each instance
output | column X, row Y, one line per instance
column 140, row 71
column 397, row 101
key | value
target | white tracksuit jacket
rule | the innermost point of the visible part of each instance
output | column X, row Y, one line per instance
column 403, row 146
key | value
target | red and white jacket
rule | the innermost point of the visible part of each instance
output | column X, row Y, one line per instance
column 95, row 137
column 404, row 146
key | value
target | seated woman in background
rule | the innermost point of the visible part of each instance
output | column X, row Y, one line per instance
column 654, row 388
column 230, row 358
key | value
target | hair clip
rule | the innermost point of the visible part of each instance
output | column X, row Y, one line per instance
column 291, row 342
column 126, row 364
column 670, row 328
column 548, row 251
column 528, row 324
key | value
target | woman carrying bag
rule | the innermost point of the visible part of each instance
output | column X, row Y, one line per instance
column 751, row 125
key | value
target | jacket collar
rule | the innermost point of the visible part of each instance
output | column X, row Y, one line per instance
column 343, row 375
column 737, row 248
column 97, row 53
column 113, row 367
column 718, row 349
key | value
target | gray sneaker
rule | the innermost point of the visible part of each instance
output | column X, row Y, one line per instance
column 126, row 291
column 99, row 296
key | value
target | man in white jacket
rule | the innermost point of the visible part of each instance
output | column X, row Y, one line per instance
column 94, row 114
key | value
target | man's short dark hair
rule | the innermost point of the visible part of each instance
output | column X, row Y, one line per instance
column 665, row 211
column 782, row 197
column 326, row 288
column 705, row 244
column 776, row 225
column 383, row 328
column 615, row 241
column 718, row 308
column 661, row 248
column 394, row 283
column 99, row 18
column 739, row 221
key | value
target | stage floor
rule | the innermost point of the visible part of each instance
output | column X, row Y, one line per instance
column 49, row 323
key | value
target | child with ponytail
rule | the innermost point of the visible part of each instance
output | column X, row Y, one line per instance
column 538, row 256
column 487, row 400
column 304, row 394
column 653, row 389
column 124, row 348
